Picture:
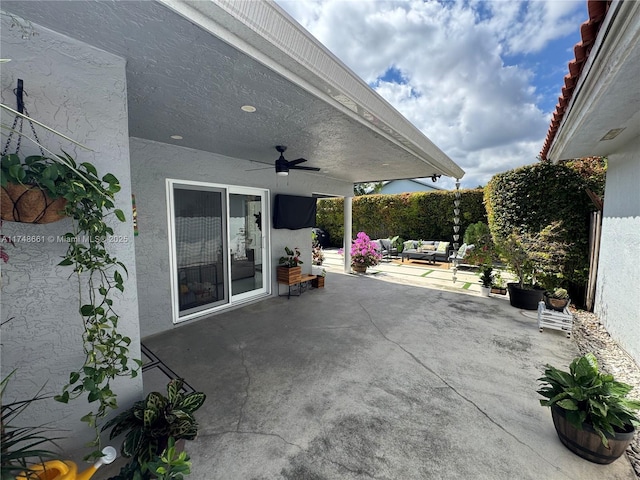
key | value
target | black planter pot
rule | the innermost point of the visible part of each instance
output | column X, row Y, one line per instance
column 586, row 443
column 524, row 298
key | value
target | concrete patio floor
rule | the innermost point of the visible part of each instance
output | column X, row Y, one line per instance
column 369, row 378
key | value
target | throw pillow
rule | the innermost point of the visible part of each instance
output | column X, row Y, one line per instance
column 442, row 247
column 428, row 248
column 409, row 245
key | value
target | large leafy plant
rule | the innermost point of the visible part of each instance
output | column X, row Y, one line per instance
column 150, row 423
column 589, row 396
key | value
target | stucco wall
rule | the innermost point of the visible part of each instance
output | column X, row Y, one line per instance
column 617, row 293
column 81, row 92
column 151, row 164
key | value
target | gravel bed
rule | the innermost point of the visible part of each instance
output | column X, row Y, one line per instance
column 591, row 336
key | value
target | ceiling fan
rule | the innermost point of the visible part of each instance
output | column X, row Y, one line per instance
column 283, row 166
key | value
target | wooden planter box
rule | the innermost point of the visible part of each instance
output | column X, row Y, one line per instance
column 29, row 204
column 289, row 275
column 318, row 282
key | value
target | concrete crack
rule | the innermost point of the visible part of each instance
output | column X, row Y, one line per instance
column 246, row 388
column 468, row 400
column 253, row 432
column 357, row 471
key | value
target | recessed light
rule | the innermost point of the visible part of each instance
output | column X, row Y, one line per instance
column 176, row 137
column 613, row 133
column 248, row 108
column 385, row 164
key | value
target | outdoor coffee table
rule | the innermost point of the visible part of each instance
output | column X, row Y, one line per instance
column 429, row 257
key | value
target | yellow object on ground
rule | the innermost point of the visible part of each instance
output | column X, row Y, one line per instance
column 66, row 470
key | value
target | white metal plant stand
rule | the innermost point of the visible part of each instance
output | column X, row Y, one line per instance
column 555, row 320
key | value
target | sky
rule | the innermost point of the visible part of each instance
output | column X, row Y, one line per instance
column 479, row 78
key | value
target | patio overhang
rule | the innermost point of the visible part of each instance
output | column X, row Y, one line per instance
column 192, row 65
column 603, row 113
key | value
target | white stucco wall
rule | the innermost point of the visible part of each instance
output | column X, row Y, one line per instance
column 81, row 92
column 152, row 163
column 618, row 287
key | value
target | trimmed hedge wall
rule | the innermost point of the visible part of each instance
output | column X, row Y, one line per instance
column 529, row 198
column 412, row 216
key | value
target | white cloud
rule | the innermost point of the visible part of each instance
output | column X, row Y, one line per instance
column 457, row 88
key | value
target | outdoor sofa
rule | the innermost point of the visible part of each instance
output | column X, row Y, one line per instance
column 430, row 250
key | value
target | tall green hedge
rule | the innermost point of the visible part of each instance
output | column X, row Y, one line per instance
column 412, row 216
column 529, row 198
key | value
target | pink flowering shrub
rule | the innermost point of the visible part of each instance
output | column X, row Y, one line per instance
column 364, row 252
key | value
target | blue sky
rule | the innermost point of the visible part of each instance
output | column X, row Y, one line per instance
column 479, row 78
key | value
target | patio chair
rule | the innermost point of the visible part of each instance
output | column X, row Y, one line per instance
column 460, row 254
column 387, row 247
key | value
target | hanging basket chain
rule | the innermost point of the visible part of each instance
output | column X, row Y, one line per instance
column 19, row 92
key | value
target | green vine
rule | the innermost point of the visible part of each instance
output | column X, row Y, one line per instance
column 90, row 203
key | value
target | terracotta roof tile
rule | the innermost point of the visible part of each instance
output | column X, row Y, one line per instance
column 588, row 31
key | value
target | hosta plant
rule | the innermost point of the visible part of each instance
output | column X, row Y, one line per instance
column 589, row 396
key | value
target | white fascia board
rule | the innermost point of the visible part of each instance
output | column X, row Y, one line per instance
column 265, row 32
column 616, row 39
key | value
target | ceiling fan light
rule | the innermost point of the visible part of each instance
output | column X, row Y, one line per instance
column 282, row 168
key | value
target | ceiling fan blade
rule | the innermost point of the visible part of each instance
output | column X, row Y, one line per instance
column 296, row 167
column 262, row 168
column 296, row 161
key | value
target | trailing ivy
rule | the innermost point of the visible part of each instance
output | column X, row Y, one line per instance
column 90, row 202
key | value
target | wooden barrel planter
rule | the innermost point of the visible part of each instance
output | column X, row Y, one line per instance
column 586, row 443
column 524, row 298
column 29, row 204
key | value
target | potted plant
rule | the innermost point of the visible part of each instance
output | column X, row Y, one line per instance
column 364, row 253
column 528, row 256
column 557, row 300
column 318, row 282
column 591, row 412
column 486, row 279
column 150, row 424
column 498, row 284
column 75, row 190
column 23, row 447
column 289, row 269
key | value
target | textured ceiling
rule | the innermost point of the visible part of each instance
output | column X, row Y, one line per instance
column 182, row 80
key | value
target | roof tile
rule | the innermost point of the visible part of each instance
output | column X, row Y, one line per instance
column 588, row 32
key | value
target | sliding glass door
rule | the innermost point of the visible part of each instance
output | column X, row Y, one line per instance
column 217, row 246
column 246, row 247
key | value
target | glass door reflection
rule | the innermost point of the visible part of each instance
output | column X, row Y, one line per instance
column 246, row 244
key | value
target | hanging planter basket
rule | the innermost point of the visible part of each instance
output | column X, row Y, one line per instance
column 29, row 204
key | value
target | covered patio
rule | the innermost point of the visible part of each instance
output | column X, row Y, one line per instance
column 373, row 379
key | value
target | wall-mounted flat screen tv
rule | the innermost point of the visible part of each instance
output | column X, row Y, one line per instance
column 294, row 212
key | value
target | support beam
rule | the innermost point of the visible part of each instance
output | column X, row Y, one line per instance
column 348, row 233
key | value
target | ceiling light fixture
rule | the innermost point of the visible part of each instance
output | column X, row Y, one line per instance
column 176, row 137
column 248, row 108
column 282, row 169
column 613, row 133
